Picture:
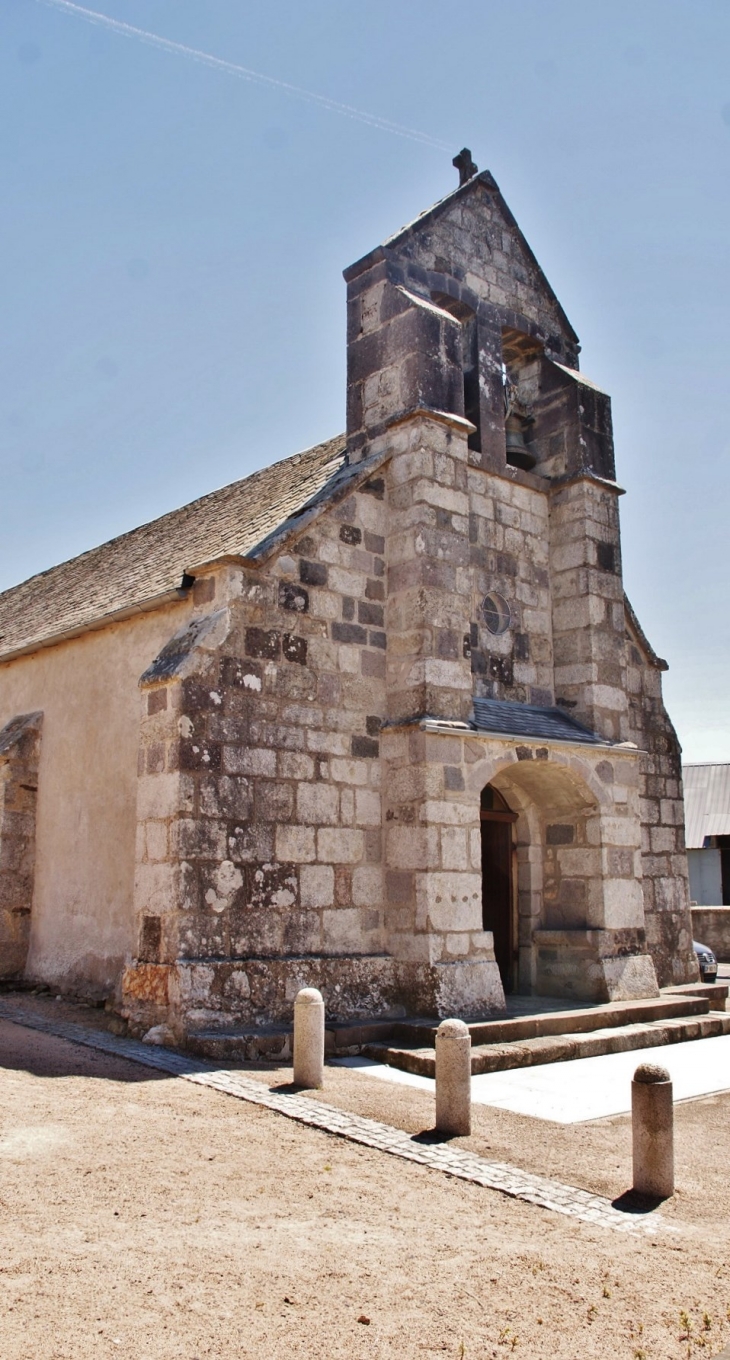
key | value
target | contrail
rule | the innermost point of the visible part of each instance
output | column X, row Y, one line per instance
column 245, row 73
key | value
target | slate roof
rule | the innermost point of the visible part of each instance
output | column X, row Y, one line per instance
column 530, row 720
column 706, row 802
column 137, row 568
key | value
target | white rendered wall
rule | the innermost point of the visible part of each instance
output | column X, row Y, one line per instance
column 87, row 688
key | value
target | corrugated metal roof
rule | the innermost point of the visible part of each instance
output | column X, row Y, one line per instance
column 706, row 802
column 530, row 720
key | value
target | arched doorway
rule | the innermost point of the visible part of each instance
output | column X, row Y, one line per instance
column 498, row 880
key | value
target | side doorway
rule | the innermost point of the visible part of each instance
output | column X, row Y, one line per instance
column 498, row 881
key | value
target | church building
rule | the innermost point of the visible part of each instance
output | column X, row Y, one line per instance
column 378, row 719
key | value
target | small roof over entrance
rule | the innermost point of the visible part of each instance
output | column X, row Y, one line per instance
column 511, row 719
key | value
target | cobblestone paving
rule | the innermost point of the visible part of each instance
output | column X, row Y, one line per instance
column 467, row 1166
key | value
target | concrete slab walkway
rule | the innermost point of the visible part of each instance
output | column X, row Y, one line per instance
column 585, row 1088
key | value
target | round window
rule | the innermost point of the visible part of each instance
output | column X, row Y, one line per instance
column 496, row 613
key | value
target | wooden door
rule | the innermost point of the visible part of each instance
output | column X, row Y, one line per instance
column 497, row 911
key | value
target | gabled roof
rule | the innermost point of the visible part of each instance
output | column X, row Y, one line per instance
column 477, row 184
column 706, row 802
column 146, row 566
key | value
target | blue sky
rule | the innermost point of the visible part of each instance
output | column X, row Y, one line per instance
column 172, row 239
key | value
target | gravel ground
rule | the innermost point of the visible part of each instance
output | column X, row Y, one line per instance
column 145, row 1217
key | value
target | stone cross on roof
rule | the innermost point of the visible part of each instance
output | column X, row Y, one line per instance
column 465, row 165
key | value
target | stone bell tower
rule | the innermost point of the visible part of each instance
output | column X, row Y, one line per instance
column 504, row 587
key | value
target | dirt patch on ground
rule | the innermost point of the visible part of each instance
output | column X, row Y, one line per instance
column 147, row 1217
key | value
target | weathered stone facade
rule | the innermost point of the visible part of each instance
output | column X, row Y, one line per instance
column 665, row 876
column 433, row 641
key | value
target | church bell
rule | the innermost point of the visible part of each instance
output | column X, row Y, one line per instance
column 519, row 454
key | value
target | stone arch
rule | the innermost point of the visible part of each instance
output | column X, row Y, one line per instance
column 558, row 899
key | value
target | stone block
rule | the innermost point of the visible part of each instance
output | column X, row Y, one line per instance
column 252, row 841
column 348, row 771
column 225, row 796
column 367, row 886
column 156, row 888
column 449, row 901
column 295, row 844
column 454, row 848
column 623, row 903
column 412, row 847
column 193, row 839
column 317, row 803
column 274, row 801
column 458, row 944
column 156, row 840
column 294, row 765
column 367, row 807
column 440, row 812
column 316, row 885
column 340, row 845
column 328, row 743
column 347, row 806
column 342, row 929
column 372, row 663
column 249, row 760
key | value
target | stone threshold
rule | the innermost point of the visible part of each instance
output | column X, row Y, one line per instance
column 540, row 1191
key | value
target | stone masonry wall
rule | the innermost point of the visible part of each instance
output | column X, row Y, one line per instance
column 473, row 240
column 508, row 552
column 664, row 860
column 588, row 611
column 260, row 815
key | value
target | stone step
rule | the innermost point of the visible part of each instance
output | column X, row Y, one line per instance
column 253, row 1043
column 544, row 1024
column 531, row 1052
column 273, row 1043
column 267, row 1043
column 716, row 992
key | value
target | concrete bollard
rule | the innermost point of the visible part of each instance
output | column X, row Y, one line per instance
column 309, row 1038
column 652, row 1125
column 453, row 1078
